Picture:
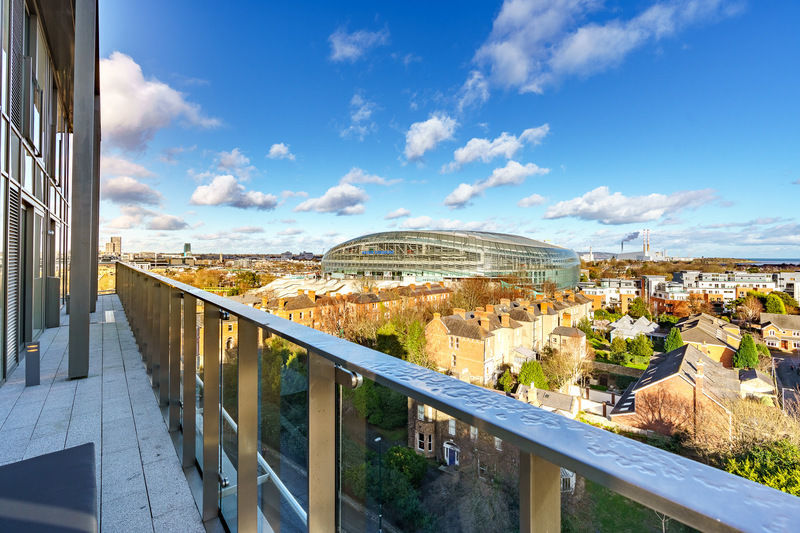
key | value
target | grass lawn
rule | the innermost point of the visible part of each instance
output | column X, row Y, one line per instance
column 607, row 511
column 602, row 358
column 599, row 344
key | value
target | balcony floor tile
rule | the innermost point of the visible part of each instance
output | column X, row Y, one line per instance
column 141, row 486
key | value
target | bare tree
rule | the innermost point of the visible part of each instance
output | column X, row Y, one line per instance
column 564, row 365
column 750, row 309
column 698, row 304
column 549, row 288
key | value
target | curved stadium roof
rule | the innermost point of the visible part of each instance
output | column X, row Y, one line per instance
column 436, row 255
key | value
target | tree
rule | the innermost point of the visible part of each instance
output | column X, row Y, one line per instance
column 698, row 304
column 408, row 462
column 586, row 326
column 549, row 288
column 563, row 367
column 637, row 308
column 531, row 373
column 747, row 354
column 618, row 346
column 674, row 340
column 775, row 464
column 506, row 381
column 750, row 309
column 775, row 305
column 641, row 346
column 247, row 279
column 788, row 301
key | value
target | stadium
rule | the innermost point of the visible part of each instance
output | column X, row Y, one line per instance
column 448, row 255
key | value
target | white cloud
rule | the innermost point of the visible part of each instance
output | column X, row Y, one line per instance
column 127, row 191
column 135, row 108
column 426, row 222
column 248, row 229
column 615, row 208
column 532, row 201
column 131, row 217
column 280, row 151
column 167, row 223
column 474, row 91
column 293, row 194
column 291, row 231
column 352, row 46
column 117, row 166
column 511, row 174
column 356, row 175
column 534, row 44
column 360, row 114
column 506, row 145
column 424, row 136
column 397, row 213
column 342, row 199
column 236, row 163
column 226, row 190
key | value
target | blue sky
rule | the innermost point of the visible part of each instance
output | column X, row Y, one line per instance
column 297, row 125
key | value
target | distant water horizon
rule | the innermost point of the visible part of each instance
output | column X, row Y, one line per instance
column 771, row 260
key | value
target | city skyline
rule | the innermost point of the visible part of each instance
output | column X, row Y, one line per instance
column 275, row 128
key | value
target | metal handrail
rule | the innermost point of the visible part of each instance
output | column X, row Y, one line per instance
column 272, row 476
column 698, row 495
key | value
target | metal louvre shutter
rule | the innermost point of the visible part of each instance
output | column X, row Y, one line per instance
column 17, row 21
column 12, row 267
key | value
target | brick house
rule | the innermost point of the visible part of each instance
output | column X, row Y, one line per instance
column 300, row 308
column 681, row 389
column 439, row 436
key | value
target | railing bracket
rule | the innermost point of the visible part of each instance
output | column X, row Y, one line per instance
column 346, row 378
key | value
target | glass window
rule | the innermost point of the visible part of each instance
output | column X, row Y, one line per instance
column 420, row 412
column 473, row 433
column 430, row 442
column 451, row 426
column 498, row 444
column 421, row 441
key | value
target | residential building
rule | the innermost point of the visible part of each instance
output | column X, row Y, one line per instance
column 715, row 337
column 613, row 293
column 670, row 297
column 788, row 282
column 781, row 331
column 628, row 328
column 685, row 389
column 474, row 345
column 114, row 247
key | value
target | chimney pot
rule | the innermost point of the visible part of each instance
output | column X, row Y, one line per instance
column 505, row 320
column 281, row 303
column 312, row 295
column 490, row 309
column 300, row 292
column 437, row 316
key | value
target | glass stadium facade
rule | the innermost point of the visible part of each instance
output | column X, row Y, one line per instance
column 439, row 255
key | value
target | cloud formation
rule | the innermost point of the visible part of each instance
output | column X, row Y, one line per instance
column 506, row 145
column 226, row 190
column 532, row 201
column 248, row 229
column 511, row 174
column 135, row 108
column 166, row 223
column 356, row 175
column 424, row 136
column 236, row 163
column 607, row 208
column 426, row 222
column 291, row 231
column 397, row 213
column 280, row 151
column 352, row 46
column 534, row 44
column 361, row 124
column 475, row 91
column 125, row 190
column 116, row 166
column 342, row 199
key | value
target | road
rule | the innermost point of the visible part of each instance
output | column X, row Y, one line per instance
column 786, row 370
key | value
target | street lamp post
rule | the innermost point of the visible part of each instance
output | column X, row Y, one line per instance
column 380, row 485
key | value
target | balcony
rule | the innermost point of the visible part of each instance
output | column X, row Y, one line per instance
column 281, row 443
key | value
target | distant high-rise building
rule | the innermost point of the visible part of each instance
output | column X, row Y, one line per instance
column 187, row 249
column 115, row 246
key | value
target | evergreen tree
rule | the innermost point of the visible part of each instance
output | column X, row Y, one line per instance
column 674, row 340
column 641, row 346
column 531, row 373
column 775, row 305
column 506, row 381
column 637, row 308
column 747, row 354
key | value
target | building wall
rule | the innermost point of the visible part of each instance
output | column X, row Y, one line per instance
column 469, row 353
column 35, row 180
column 722, row 354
